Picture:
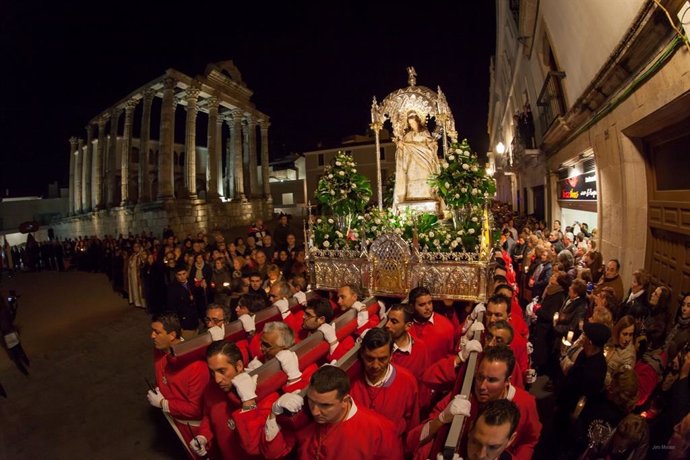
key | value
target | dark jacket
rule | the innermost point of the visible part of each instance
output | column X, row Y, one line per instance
column 586, row 378
column 542, row 335
column 570, row 314
column 181, row 302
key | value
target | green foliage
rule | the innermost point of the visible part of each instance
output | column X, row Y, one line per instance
column 461, row 181
column 342, row 190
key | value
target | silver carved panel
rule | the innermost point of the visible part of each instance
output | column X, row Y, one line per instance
column 389, row 256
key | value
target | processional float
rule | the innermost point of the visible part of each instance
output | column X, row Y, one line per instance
column 435, row 230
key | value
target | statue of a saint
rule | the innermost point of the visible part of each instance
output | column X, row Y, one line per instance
column 416, row 159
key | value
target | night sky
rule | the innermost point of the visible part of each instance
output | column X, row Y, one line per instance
column 313, row 67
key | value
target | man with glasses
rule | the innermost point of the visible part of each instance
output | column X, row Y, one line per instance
column 491, row 382
column 318, row 316
column 215, row 321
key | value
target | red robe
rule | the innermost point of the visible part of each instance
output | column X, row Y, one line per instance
column 364, row 436
column 343, row 347
column 231, row 433
column 442, row 375
column 528, row 429
column 397, row 399
column 183, row 387
column 415, row 361
column 437, row 334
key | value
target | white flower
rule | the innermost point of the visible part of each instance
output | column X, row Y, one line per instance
column 331, row 221
column 436, row 242
column 326, row 244
column 337, row 163
column 465, row 166
column 474, row 219
column 466, row 153
column 474, row 191
column 458, row 151
column 341, row 173
column 431, row 234
column 354, row 170
column 474, row 169
column 330, row 176
column 342, row 192
column 470, row 231
column 377, row 221
column 461, row 232
column 453, row 244
column 457, row 195
column 360, row 217
column 373, row 228
column 445, row 165
column 447, row 184
column 339, row 233
column 318, row 221
column 354, row 186
column 326, row 236
column 451, row 157
column 463, row 189
column 332, row 192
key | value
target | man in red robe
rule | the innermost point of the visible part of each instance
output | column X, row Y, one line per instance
column 179, row 386
column 232, row 421
column 347, row 298
column 491, row 382
column 493, row 432
column 408, row 352
column 318, row 316
column 339, row 429
column 383, row 387
column 435, row 330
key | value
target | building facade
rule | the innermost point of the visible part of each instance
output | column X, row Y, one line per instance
column 592, row 103
column 129, row 174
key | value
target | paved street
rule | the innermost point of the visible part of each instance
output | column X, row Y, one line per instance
column 86, row 395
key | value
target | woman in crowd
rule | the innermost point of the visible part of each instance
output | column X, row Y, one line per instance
column 221, row 283
column 636, row 303
column 606, row 298
column 541, row 275
column 620, row 351
column 679, row 335
column 542, row 334
column 200, row 275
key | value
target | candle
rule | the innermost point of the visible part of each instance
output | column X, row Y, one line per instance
column 570, row 336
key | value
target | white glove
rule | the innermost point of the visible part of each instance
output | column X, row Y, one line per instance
column 477, row 309
column 289, row 363
column 291, row 402
column 459, row 405
column 248, row 323
column 245, row 385
column 382, row 310
column 198, row 445
column 476, row 328
column 472, row 345
column 155, row 398
column 254, row 364
column 362, row 317
column 328, row 331
column 217, row 332
column 284, row 306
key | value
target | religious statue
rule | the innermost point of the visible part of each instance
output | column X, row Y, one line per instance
column 416, row 159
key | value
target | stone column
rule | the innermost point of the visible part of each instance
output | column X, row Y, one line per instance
column 190, row 142
column 86, row 171
column 264, row 161
column 144, row 138
column 97, row 167
column 229, row 182
column 165, row 150
column 111, row 164
column 251, row 142
column 237, row 154
column 214, row 135
column 126, row 152
column 78, row 164
column 72, row 165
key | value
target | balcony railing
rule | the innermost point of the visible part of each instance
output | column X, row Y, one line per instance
column 551, row 102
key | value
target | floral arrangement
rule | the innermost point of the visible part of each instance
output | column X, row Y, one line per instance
column 343, row 191
column 461, row 181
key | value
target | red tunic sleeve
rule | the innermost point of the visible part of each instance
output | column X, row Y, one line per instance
column 250, row 424
column 185, row 390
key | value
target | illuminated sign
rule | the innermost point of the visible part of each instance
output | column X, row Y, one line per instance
column 582, row 187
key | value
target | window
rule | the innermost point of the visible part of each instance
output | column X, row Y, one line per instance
column 288, row 198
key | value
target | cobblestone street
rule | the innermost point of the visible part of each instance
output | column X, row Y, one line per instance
column 85, row 396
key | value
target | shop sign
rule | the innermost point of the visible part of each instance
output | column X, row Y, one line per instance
column 582, row 187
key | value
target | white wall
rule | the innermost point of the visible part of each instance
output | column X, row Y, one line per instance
column 591, row 28
column 570, row 216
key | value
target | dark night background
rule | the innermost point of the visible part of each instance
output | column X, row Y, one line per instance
column 313, row 67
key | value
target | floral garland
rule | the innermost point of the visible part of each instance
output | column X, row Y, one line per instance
column 461, row 181
column 342, row 190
